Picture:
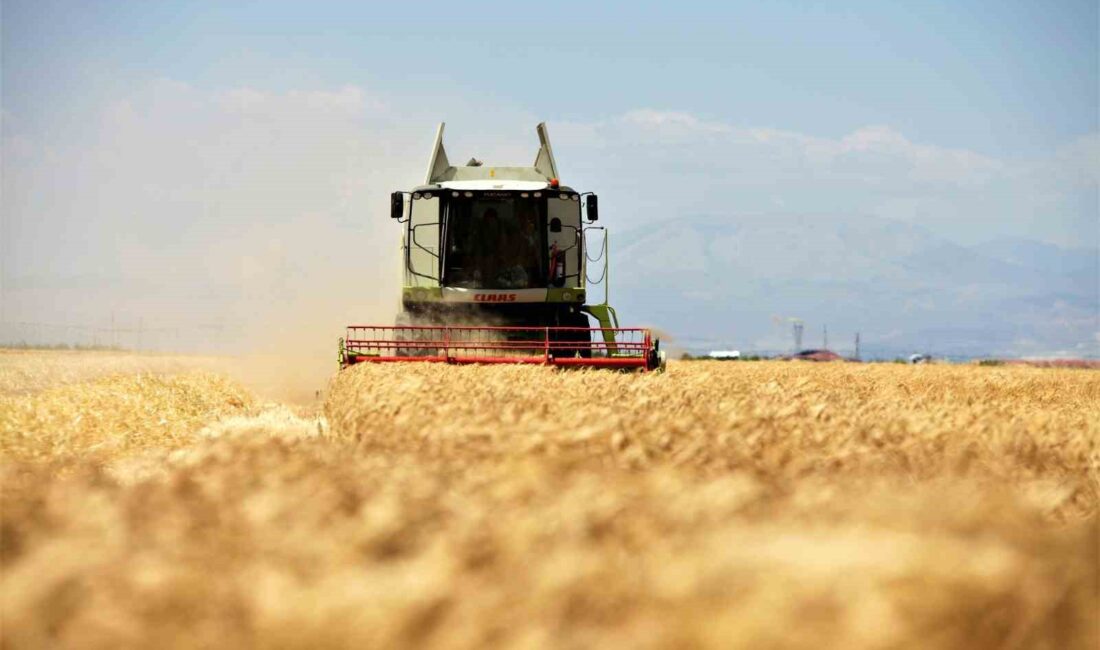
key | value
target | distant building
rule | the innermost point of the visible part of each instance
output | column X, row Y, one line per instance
column 817, row 355
column 724, row 354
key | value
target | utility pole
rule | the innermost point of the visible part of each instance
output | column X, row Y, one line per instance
column 824, row 337
column 797, row 336
column 857, row 346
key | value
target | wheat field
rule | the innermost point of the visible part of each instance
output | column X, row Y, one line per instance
column 161, row 503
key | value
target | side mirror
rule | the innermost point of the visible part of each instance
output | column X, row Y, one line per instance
column 592, row 206
column 555, row 225
column 397, row 205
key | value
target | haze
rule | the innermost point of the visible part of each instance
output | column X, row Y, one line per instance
column 212, row 176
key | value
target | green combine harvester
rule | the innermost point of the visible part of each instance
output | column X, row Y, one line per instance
column 496, row 263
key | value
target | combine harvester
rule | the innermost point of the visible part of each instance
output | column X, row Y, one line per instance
column 495, row 263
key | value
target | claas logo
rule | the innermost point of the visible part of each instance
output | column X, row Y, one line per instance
column 494, row 297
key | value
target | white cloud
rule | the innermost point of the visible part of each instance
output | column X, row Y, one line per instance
column 1073, row 165
column 875, row 155
column 647, row 157
column 242, row 100
column 348, row 101
column 879, row 144
column 671, row 122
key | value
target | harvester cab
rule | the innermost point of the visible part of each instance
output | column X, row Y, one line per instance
column 496, row 263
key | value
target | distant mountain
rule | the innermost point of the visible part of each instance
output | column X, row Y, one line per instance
column 736, row 281
column 1077, row 262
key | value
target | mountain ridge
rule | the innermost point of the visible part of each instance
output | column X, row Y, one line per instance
column 729, row 280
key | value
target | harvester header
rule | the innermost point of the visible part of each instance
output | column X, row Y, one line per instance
column 495, row 263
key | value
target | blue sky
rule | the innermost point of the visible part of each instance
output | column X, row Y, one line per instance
column 141, row 140
column 1001, row 78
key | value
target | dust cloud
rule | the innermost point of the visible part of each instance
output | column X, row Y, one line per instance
column 244, row 223
column 295, row 352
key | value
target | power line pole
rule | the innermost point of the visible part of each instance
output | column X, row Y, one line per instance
column 797, row 336
column 857, row 347
column 824, row 337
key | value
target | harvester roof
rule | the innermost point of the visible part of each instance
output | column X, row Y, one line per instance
column 492, row 184
column 441, row 173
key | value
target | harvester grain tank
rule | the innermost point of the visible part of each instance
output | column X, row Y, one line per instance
column 495, row 263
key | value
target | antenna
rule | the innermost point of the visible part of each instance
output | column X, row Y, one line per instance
column 797, row 336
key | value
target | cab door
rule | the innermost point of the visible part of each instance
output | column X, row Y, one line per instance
column 564, row 235
column 422, row 241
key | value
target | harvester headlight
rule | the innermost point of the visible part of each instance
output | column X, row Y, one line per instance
column 469, row 195
column 574, row 197
column 426, row 195
column 563, row 197
column 416, row 195
column 538, row 195
column 567, row 295
column 454, row 194
column 580, row 296
column 524, row 195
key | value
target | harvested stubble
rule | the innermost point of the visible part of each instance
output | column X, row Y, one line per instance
column 29, row 371
column 113, row 415
column 752, row 504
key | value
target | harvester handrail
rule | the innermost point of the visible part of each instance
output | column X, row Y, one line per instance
column 621, row 347
column 497, row 327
